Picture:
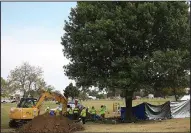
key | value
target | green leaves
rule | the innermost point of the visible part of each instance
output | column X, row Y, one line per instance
column 71, row 91
column 168, row 68
column 126, row 45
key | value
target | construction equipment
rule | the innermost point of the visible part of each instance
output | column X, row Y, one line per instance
column 28, row 108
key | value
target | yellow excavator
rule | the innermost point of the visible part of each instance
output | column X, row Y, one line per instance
column 28, row 108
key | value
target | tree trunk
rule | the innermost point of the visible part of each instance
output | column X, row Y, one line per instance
column 72, row 99
column 24, row 93
column 128, row 102
column 29, row 89
column 175, row 95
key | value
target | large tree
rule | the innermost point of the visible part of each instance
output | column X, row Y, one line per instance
column 110, row 44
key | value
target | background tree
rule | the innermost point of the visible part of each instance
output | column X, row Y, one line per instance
column 40, row 83
column 34, row 93
column 111, row 44
column 169, row 92
column 96, row 94
column 7, row 87
column 37, row 92
column 3, row 83
column 114, row 92
column 24, row 77
column 71, row 91
column 166, row 92
column 50, row 88
column 93, row 93
column 83, row 95
column 4, row 88
column 100, row 96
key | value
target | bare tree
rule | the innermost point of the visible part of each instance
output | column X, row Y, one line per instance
column 40, row 83
column 25, row 77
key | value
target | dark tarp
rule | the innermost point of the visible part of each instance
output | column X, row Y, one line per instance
column 158, row 111
column 180, row 109
column 139, row 111
column 123, row 110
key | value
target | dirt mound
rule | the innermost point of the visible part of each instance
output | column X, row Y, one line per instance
column 46, row 123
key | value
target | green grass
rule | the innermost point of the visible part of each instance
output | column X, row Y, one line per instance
column 5, row 108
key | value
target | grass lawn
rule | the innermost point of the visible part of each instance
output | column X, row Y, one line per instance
column 173, row 125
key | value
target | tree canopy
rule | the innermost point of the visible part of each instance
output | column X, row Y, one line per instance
column 25, row 77
column 113, row 44
column 28, row 79
column 71, row 91
column 96, row 94
column 4, row 87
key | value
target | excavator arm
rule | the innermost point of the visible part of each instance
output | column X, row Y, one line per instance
column 53, row 95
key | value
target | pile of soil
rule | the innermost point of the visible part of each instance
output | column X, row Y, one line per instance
column 46, row 123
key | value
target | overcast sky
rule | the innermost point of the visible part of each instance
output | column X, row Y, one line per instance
column 31, row 32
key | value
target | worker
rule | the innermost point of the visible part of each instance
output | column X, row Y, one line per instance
column 102, row 112
column 87, row 112
column 60, row 109
column 76, row 112
column 29, row 104
column 118, row 108
column 83, row 115
column 47, row 109
column 93, row 113
column 70, row 113
column 57, row 111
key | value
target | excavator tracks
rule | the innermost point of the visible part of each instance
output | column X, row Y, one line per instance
column 17, row 124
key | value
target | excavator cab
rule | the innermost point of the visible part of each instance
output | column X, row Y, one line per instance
column 27, row 103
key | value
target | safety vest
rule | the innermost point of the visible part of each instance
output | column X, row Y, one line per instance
column 83, row 113
column 76, row 110
column 57, row 111
column 102, row 111
column 93, row 111
column 70, row 111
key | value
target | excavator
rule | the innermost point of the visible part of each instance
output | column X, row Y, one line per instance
column 28, row 108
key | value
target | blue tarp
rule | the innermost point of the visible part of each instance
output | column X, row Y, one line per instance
column 139, row 111
column 123, row 113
